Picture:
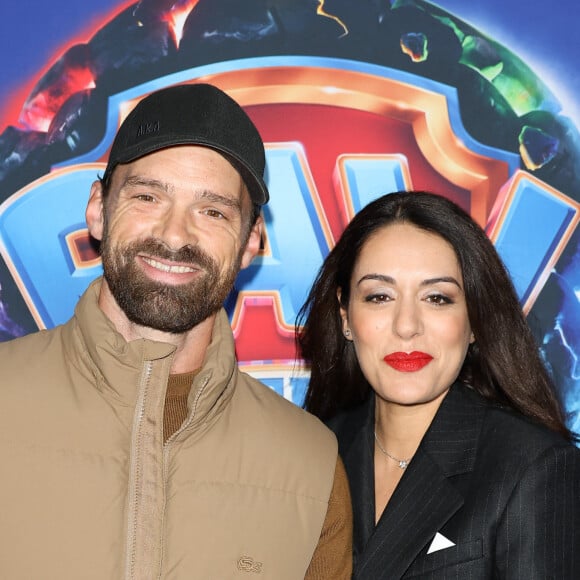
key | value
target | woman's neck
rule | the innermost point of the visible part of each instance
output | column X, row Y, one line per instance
column 400, row 428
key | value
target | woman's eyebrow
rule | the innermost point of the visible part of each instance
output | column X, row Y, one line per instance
column 379, row 277
column 426, row 282
column 437, row 280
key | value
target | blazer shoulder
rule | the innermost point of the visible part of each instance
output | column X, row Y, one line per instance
column 514, row 437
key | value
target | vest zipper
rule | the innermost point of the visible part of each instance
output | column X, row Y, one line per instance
column 135, row 471
column 170, row 440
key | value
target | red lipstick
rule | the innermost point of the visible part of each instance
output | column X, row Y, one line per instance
column 408, row 362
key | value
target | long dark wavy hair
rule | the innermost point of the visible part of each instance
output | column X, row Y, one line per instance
column 503, row 364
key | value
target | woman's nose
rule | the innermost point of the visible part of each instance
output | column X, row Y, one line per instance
column 407, row 321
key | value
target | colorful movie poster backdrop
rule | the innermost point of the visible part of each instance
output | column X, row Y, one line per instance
column 353, row 100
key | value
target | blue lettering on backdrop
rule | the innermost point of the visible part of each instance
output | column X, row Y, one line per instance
column 534, row 225
column 368, row 177
column 49, row 277
column 297, row 238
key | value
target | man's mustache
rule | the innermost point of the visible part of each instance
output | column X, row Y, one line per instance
column 193, row 255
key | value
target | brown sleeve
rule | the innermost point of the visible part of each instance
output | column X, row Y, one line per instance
column 332, row 559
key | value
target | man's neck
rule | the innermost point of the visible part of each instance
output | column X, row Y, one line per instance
column 190, row 346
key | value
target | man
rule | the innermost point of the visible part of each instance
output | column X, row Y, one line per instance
column 132, row 446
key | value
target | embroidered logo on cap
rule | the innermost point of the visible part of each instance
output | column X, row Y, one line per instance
column 147, row 128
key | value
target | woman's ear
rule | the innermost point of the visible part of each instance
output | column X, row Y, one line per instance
column 344, row 315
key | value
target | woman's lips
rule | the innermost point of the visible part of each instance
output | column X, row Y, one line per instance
column 408, row 362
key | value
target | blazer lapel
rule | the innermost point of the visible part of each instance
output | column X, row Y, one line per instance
column 425, row 498
column 423, row 501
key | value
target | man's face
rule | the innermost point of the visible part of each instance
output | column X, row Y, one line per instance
column 174, row 230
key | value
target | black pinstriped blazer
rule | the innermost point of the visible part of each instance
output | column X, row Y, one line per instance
column 505, row 492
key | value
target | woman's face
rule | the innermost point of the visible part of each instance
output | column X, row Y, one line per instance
column 407, row 315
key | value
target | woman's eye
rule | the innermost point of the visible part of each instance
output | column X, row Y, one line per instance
column 377, row 298
column 439, row 299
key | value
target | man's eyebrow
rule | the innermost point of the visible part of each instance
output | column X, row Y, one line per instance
column 208, row 195
column 214, row 197
column 137, row 181
column 426, row 282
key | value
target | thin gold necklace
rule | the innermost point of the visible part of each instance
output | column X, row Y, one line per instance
column 402, row 462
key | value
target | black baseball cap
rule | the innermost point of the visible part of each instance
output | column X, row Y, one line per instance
column 193, row 114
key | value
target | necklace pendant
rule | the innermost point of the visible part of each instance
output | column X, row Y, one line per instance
column 402, row 462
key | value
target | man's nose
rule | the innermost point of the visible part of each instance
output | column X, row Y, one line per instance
column 176, row 228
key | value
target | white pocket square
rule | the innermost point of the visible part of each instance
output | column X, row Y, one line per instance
column 440, row 542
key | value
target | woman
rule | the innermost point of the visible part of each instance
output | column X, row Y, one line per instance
column 458, row 459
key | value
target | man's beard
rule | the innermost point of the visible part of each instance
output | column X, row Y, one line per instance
column 165, row 307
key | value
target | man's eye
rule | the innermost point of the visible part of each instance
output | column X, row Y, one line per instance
column 214, row 213
column 145, row 197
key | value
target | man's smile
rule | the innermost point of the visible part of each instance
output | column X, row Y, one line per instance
column 170, row 268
